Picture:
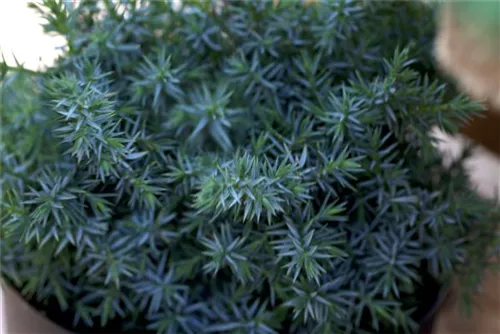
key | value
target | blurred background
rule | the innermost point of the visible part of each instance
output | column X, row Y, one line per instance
column 21, row 35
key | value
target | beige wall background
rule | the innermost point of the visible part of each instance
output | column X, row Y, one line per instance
column 22, row 36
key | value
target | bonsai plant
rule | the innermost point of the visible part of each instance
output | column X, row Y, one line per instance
column 237, row 167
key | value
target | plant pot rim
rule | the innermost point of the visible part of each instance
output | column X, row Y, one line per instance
column 19, row 310
column 19, row 316
column 429, row 319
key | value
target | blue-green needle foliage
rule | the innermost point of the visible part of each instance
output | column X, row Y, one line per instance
column 236, row 167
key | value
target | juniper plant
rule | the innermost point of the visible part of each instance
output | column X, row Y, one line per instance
column 236, row 167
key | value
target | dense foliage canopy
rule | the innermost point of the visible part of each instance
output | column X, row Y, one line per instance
column 236, row 167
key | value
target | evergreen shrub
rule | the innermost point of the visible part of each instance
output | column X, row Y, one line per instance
column 237, row 167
